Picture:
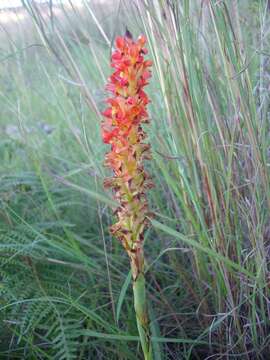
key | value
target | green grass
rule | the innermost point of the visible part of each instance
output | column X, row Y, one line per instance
column 64, row 282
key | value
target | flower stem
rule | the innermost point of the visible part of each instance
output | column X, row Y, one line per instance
column 142, row 315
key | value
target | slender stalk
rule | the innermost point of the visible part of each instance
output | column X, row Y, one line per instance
column 142, row 315
column 140, row 303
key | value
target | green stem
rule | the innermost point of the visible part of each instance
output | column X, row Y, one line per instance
column 142, row 315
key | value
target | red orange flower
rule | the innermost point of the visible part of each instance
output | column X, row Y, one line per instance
column 122, row 129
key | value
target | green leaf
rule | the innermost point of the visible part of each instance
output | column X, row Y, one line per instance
column 122, row 295
column 210, row 252
column 123, row 337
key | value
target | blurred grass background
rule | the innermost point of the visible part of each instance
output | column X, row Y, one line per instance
column 64, row 282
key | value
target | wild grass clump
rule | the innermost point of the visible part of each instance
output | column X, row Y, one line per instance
column 65, row 284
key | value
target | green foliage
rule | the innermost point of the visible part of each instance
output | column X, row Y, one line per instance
column 64, row 282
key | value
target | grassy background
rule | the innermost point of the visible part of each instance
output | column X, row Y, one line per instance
column 64, row 282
